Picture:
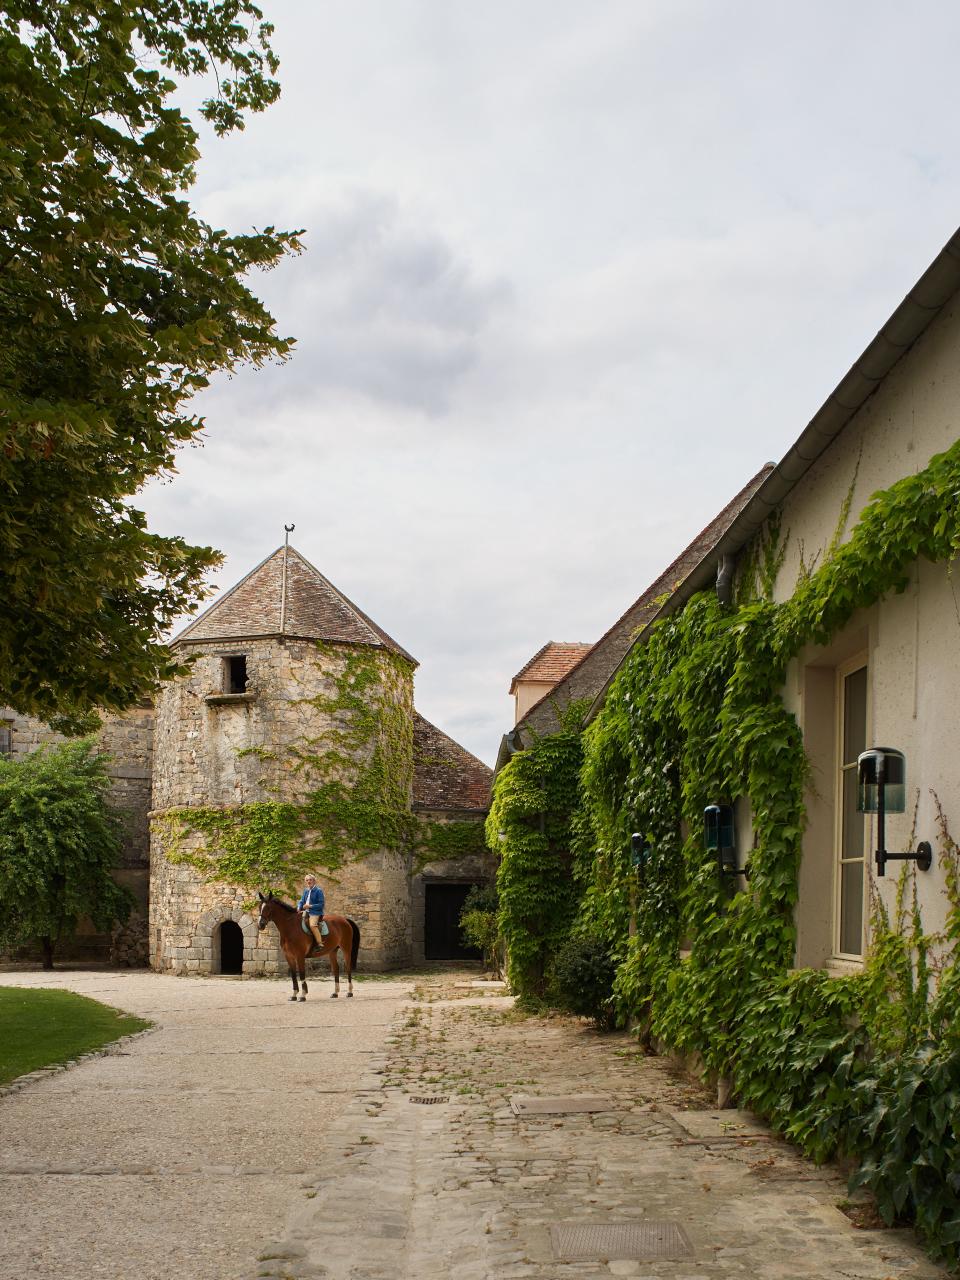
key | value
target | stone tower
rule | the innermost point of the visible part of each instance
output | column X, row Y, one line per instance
column 287, row 745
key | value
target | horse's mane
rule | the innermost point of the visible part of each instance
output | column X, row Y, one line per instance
column 286, row 905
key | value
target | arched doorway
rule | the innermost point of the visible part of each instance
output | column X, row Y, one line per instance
column 229, row 948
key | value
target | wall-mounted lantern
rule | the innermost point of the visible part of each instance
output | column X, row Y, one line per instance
column 639, row 853
column 720, row 837
column 882, row 789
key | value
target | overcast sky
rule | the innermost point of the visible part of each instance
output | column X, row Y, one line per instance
column 574, row 272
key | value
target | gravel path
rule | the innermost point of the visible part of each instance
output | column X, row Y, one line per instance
column 178, row 1153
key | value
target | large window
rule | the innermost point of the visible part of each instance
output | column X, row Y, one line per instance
column 852, row 700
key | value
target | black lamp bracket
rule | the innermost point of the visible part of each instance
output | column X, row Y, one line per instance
column 922, row 855
column 728, row 868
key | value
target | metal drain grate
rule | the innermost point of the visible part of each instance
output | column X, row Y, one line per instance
column 522, row 1106
column 428, row 1102
column 645, row 1241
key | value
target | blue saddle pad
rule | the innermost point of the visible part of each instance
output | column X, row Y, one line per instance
column 304, row 925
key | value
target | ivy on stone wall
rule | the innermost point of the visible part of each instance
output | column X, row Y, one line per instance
column 439, row 841
column 356, row 773
column 529, row 826
column 868, row 1065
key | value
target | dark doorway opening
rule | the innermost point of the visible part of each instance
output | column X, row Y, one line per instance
column 442, row 939
column 231, row 947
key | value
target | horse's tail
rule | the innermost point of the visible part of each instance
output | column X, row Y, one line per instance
column 356, row 944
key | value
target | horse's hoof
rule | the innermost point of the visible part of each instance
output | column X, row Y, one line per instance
column 334, row 994
column 293, row 997
column 349, row 995
column 302, row 999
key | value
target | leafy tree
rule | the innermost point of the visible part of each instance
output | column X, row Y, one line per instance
column 59, row 841
column 117, row 303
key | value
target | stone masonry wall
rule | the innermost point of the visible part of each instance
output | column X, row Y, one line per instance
column 216, row 749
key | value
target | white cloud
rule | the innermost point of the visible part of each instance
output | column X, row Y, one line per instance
column 574, row 273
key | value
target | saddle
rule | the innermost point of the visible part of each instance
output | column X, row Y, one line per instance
column 304, row 925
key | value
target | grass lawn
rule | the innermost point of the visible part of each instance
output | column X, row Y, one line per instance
column 39, row 1027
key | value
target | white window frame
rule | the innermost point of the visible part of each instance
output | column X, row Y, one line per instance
column 844, row 670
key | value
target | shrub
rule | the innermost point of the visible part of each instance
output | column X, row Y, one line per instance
column 583, row 973
column 478, row 922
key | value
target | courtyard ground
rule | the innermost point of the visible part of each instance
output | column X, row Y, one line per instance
column 178, row 1151
column 449, row 1137
column 441, row 1176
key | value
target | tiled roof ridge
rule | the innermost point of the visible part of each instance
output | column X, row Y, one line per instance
column 472, row 776
column 378, row 631
column 368, row 630
column 222, row 599
column 551, row 644
column 459, row 745
column 726, row 514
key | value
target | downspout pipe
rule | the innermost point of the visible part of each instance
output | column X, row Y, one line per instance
column 510, row 744
column 725, row 570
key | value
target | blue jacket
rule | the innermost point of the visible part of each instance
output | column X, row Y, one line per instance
column 312, row 900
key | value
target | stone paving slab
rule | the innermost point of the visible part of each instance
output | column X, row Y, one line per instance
column 716, row 1125
column 468, row 1190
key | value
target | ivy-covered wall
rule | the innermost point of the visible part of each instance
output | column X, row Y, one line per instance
column 866, row 1064
column 310, row 769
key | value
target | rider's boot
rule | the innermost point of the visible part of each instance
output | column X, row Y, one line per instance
column 315, row 930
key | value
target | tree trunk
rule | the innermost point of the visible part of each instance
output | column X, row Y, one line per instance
column 46, row 943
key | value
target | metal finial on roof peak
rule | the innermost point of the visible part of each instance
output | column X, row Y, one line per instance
column 287, row 530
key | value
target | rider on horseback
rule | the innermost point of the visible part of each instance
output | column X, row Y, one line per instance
column 311, row 904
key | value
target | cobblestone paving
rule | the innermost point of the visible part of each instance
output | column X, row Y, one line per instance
column 174, row 1153
column 465, row 1189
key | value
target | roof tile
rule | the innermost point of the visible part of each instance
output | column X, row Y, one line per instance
column 551, row 663
column 314, row 609
column 446, row 775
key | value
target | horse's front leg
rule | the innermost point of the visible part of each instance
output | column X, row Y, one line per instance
column 293, row 979
column 303, row 979
column 335, row 969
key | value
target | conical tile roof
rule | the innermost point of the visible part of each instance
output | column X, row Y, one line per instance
column 313, row 609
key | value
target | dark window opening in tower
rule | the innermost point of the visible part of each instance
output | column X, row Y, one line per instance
column 235, row 674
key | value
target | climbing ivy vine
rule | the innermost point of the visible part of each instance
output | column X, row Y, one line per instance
column 441, row 841
column 530, row 825
column 867, row 1065
column 354, row 776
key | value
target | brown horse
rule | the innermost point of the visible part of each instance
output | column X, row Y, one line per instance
column 298, row 946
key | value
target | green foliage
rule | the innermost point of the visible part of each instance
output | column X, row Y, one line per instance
column 437, row 841
column 799, row 1045
column 117, row 304
column 865, row 1065
column 582, row 980
column 355, row 774
column 907, row 1129
column 59, row 843
column 529, row 825
column 481, row 927
column 39, row 1028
